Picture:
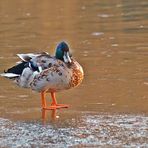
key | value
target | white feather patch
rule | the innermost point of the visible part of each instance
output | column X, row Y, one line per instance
column 27, row 57
column 40, row 68
column 9, row 75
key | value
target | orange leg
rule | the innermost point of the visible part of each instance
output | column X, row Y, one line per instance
column 54, row 104
column 43, row 100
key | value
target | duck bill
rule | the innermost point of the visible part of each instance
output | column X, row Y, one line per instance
column 66, row 57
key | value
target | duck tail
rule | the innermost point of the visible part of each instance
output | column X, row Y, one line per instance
column 14, row 71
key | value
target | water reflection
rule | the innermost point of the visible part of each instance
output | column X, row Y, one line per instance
column 53, row 115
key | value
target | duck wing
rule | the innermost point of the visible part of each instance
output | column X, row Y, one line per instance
column 27, row 61
column 27, row 57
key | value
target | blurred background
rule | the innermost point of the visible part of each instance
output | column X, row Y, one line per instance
column 108, row 38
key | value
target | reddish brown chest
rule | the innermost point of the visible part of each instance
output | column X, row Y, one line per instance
column 77, row 77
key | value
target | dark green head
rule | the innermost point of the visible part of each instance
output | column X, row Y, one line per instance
column 62, row 52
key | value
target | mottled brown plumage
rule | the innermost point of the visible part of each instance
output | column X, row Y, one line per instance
column 44, row 73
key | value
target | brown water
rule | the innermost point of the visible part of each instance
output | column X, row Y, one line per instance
column 110, row 40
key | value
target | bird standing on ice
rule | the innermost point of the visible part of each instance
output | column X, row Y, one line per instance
column 47, row 74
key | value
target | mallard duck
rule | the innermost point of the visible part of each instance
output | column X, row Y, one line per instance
column 47, row 74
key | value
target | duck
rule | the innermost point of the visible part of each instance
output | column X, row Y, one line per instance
column 44, row 73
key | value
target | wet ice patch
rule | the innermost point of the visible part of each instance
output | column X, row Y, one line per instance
column 1, row 96
column 105, row 15
column 97, row 33
column 23, row 96
column 85, row 53
column 90, row 130
column 83, row 7
column 114, row 45
column 1, row 57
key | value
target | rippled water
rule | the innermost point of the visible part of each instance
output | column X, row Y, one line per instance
column 110, row 40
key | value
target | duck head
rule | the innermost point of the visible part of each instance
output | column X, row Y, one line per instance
column 62, row 52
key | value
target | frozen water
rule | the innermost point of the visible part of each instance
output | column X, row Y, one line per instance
column 91, row 130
